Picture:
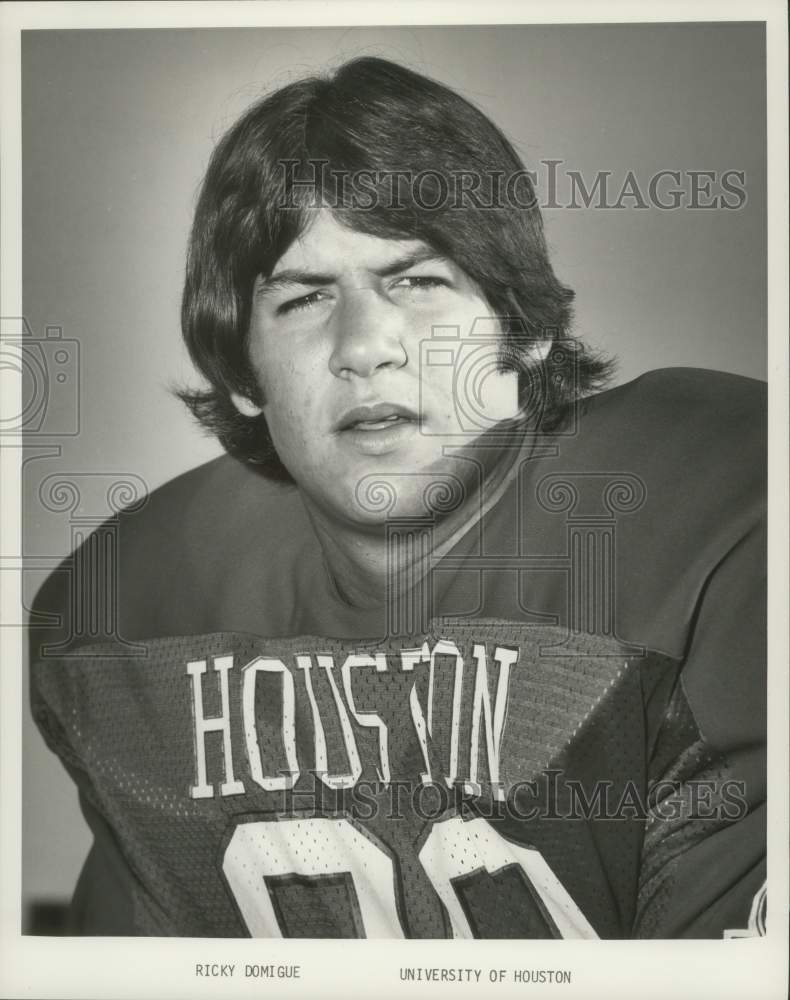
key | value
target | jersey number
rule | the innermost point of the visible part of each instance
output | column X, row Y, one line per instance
column 273, row 867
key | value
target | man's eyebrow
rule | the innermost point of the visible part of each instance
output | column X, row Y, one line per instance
column 296, row 276
column 419, row 256
column 293, row 276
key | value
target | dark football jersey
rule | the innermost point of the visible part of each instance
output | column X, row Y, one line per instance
column 557, row 732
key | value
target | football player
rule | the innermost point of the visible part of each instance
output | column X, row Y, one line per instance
column 454, row 641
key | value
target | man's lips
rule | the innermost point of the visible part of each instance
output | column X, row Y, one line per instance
column 378, row 417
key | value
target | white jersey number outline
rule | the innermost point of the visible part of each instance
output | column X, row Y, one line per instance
column 320, row 846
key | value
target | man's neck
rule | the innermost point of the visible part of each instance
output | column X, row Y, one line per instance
column 366, row 561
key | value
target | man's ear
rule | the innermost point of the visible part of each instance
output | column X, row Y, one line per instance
column 245, row 406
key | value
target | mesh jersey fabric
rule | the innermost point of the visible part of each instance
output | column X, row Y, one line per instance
column 570, row 742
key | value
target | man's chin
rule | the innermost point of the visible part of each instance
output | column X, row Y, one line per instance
column 389, row 495
column 368, row 494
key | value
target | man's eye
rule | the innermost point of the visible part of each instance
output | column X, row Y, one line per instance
column 295, row 305
column 420, row 281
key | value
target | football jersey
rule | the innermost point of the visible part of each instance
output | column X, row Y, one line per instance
column 558, row 731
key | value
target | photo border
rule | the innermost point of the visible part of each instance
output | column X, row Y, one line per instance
column 72, row 967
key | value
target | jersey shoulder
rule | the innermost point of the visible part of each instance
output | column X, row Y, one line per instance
column 673, row 413
column 212, row 504
column 694, row 554
column 686, row 450
column 191, row 547
column 697, row 442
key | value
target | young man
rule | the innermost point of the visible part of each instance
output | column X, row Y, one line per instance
column 448, row 644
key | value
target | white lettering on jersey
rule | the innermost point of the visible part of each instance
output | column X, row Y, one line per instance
column 458, row 847
column 444, row 647
column 263, row 855
column 368, row 719
column 220, row 723
column 409, row 658
column 305, row 664
column 351, row 777
column 481, row 705
column 488, row 716
column 286, row 779
column 314, row 847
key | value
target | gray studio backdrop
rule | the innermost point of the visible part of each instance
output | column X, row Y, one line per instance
column 117, row 130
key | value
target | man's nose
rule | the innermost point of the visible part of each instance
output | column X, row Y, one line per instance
column 368, row 335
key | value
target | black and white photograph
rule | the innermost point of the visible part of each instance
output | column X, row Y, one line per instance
column 394, row 442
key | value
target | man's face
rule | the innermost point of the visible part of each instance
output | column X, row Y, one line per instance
column 356, row 389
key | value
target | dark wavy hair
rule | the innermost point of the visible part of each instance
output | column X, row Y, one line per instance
column 375, row 122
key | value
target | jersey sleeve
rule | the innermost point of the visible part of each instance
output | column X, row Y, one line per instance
column 103, row 900
column 102, row 903
column 703, row 865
